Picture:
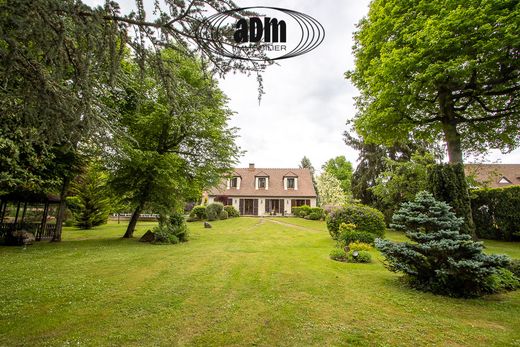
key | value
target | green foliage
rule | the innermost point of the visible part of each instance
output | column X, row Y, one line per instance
column 502, row 281
column 496, row 213
column 514, row 267
column 306, row 164
column 419, row 70
column 359, row 246
column 223, row 215
column 348, row 237
column 365, row 219
column 401, row 181
column 171, row 230
column 232, row 211
column 314, row 216
column 214, row 210
column 440, row 260
column 302, row 211
column 359, row 256
column 338, row 254
column 198, row 212
column 90, row 202
column 448, row 183
column 342, row 170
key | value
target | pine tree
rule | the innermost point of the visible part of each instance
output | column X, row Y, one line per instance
column 440, row 260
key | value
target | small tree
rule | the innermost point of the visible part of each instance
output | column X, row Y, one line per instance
column 330, row 190
column 90, row 204
column 440, row 260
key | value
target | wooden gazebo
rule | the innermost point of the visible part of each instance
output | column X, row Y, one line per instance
column 28, row 211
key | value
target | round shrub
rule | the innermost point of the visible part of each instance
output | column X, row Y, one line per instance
column 231, row 211
column 365, row 218
column 360, row 236
column 338, row 254
column 295, row 211
column 223, row 215
column 359, row 257
column 213, row 210
column 198, row 212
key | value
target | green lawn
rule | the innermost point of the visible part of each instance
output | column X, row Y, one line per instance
column 247, row 281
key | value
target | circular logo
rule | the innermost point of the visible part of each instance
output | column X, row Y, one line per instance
column 260, row 33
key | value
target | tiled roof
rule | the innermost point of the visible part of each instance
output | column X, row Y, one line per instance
column 490, row 175
column 275, row 189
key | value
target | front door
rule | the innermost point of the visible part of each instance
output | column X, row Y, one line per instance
column 274, row 206
column 249, row 207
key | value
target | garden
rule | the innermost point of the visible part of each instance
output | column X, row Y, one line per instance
column 246, row 281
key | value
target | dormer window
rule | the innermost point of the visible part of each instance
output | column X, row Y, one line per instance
column 234, row 182
column 262, row 182
column 290, row 183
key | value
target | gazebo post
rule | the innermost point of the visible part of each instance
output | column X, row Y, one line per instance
column 16, row 216
column 24, row 209
column 43, row 224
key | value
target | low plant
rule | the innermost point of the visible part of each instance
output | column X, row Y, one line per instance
column 232, row 211
column 360, row 246
column 171, row 229
column 314, row 216
column 502, row 281
column 338, row 254
column 304, row 210
column 514, row 267
column 359, row 256
column 213, row 210
column 295, row 211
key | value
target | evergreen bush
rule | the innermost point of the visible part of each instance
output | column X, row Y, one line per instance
column 172, row 229
column 441, row 259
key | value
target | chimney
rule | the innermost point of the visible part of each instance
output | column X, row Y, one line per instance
column 251, row 166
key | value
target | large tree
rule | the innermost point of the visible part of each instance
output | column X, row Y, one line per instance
column 60, row 63
column 440, row 70
column 342, row 169
column 305, row 163
column 179, row 142
column 331, row 192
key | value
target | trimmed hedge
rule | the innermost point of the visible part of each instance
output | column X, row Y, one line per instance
column 365, row 219
column 496, row 213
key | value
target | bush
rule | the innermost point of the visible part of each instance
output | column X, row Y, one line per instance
column 359, row 246
column 172, row 230
column 213, row 210
column 295, row 211
column 314, row 216
column 441, row 259
column 223, row 215
column 359, row 257
column 198, row 212
column 348, row 237
column 496, row 213
column 501, row 281
column 365, row 218
column 304, row 210
column 232, row 211
column 338, row 254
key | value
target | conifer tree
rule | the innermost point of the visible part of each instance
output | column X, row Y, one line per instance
column 440, row 260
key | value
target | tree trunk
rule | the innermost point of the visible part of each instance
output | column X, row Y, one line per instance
column 56, row 237
column 133, row 221
column 452, row 137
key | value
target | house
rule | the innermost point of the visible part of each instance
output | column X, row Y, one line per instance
column 261, row 191
column 494, row 175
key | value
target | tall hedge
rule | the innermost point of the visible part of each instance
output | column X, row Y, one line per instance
column 447, row 182
column 365, row 218
column 496, row 213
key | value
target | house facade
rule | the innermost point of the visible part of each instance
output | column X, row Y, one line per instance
column 262, row 191
column 494, row 175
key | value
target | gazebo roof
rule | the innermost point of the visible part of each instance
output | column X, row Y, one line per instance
column 30, row 196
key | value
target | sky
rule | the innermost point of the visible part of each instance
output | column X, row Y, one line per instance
column 307, row 100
